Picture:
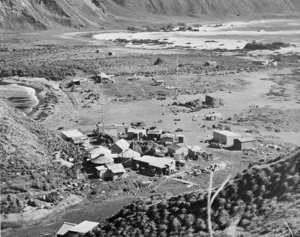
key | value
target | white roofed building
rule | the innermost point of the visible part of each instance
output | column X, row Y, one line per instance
column 82, row 228
column 119, row 146
column 225, row 137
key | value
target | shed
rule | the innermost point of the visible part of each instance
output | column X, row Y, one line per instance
column 214, row 116
column 82, row 228
column 225, row 137
column 61, row 162
column 261, row 62
column 111, row 53
column 74, row 133
column 76, row 81
column 158, row 82
column 133, row 133
column 115, row 171
column 104, row 78
column 119, row 146
column 243, row 143
column 167, row 138
column 75, row 136
column 180, row 149
column 102, row 172
column 180, row 138
column 274, row 63
column 64, row 229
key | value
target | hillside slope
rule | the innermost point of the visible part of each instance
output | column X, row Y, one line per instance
column 256, row 202
column 44, row 14
column 56, row 14
column 25, row 145
column 213, row 8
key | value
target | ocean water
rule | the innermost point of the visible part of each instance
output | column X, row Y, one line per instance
column 18, row 96
column 228, row 35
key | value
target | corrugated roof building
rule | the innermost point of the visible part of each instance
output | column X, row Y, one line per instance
column 115, row 171
column 244, row 143
column 225, row 137
column 180, row 149
column 82, row 228
column 119, row 146
column 64, row 229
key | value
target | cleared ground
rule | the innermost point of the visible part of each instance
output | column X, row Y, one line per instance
column 275, row 91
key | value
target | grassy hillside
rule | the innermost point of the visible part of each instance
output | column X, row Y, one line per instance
column 57, row 14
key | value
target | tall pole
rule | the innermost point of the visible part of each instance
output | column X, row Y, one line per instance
column 177, row 76
column 153, row 65
column 177, row 71
column 103, row 107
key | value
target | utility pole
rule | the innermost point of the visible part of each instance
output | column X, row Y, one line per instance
column 177, row 71
column 177, row 89
column 102, row 103
column 153, row 65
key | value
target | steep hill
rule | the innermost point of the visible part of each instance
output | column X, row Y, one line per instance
column 256, row 203
column 25, row 145
column 43, row 14
column 55, row 14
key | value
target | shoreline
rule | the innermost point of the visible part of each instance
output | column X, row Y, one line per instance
column 32, row 94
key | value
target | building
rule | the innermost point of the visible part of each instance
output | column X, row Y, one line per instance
column 214, row 116
column 167, row 138
column 119, row 146
column 101, row 171
column 154, row 134
column 102, row 160
column 103, row 78
column 82, row 228
column 75, row 136
column 61, row 162
column 134, row 133
column 213, row 102
column 243, row 143
column 194, row 152
column 210, row 63
column 76, row 82
column 62, row 232
column 126, row 157
column 225, row 137
column 151, row 165
column 111, row 129
column 115, row 171
column 100, row 150
column 178, row 150
column 261, row 62
column 180, row 138
column 158, row 82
